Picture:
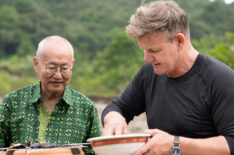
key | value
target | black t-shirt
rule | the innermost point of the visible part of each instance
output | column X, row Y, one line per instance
column 199, row 104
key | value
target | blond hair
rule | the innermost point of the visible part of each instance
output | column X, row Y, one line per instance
column 165, row 16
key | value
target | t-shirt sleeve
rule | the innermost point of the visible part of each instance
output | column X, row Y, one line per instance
column 131, row 101
column 222, row 110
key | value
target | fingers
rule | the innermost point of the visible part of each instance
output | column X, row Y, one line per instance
column 125, row 130
column 160, row 143
column 114, row 124
column 119, row 130
column 152, row 131
column 143, row 150
column 107, row 131
column 114, row 130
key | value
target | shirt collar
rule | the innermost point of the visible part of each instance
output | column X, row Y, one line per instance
column 67, row 95
column 36, row 94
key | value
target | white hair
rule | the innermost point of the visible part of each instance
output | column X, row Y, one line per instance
column 41, row 44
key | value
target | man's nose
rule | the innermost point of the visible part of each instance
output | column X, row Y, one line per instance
column 147, row 57
column 58, row 74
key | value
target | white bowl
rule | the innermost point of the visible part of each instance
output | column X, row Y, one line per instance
column 118, row 144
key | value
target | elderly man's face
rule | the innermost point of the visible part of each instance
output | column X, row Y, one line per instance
column 54, row 68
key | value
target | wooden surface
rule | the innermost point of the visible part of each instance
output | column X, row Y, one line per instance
column 55, row 151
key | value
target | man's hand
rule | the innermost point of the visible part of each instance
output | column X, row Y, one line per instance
column 114, row 124
column 160, row 143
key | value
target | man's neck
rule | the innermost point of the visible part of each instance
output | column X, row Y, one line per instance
column 46, row 95
column 185, row 63
column 50, row 100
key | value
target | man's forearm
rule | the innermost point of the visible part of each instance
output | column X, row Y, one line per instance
column 209, row 146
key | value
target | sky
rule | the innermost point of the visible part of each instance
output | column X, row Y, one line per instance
column 229, row 1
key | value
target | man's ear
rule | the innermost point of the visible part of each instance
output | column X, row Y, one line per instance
column 73, row 61
column 180, row 40
column 35, row 63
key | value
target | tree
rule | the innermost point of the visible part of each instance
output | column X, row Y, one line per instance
column 9, row 18
column 221, row 48
column 225, row 51
column 117, row 64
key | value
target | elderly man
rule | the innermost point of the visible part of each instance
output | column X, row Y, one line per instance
column 50, row 110
column 187, row 96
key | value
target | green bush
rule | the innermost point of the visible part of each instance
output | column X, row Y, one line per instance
column 4, row 84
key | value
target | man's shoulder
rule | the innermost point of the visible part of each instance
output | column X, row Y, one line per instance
column 213, row 71
column 214, row 66
column 21, row 96
column 146, row 70
column 22, row 92
column 78, row 98
column 147, row 67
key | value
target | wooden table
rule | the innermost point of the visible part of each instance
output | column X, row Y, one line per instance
column 53, row 151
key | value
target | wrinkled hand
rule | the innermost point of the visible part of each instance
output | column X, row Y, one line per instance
column 160, row 143
column 114, row 124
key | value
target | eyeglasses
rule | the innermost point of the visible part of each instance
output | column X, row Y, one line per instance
column 65, row 71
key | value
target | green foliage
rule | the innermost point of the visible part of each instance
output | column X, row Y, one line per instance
column 225, row 51
column 118, row 62
column 224, row 54
column 219, row 17
column 16, row 73
column 207, row 42
column 11, row 82
column 219, row 48
column 91, row 24
column 8, row 30
column 4, row 85
column 110, row 70
column 230, row 37
column 17, row 66
column 106, row 60
column 188, row 6
column 216, row 18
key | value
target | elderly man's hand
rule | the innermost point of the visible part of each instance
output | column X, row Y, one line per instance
column 160, row 144
column 114, row 124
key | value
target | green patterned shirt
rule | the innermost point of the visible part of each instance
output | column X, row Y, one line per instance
column 44, row 118
column 74, row 118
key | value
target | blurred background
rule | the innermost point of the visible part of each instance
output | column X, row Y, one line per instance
column 106, row 60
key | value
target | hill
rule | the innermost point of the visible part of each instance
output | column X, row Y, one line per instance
column 105, row 58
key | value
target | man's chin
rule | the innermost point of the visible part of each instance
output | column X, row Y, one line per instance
column 57, row 89
column 156, row 71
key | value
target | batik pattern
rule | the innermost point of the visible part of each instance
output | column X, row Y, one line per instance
column 74, row 118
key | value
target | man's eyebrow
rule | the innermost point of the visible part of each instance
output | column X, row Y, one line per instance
column 52, row 63
column 153, row 49
column 158, row 49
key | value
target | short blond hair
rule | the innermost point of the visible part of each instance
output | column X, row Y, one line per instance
column 165, row 16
